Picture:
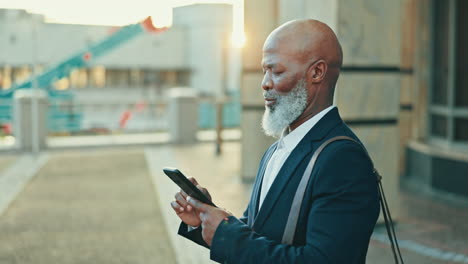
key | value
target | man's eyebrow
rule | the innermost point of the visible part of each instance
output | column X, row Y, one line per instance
column 269, row 65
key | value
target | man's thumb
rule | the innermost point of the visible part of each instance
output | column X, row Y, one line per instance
column 196, row 204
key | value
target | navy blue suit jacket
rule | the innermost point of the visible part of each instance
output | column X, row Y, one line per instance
column 338, row 213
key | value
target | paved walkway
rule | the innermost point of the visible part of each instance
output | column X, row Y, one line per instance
column 6, row 161
column 112, row 206
column 87, row 207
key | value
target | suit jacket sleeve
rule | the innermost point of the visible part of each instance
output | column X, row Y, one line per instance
column 340, row 221
column 196, row 234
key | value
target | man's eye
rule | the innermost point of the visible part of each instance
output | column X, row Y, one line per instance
column 277, row 72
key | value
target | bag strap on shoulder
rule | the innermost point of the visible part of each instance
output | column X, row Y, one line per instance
column 290, row 229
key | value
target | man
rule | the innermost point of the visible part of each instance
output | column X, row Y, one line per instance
column 301, row 65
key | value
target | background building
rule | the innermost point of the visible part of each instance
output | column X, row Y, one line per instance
column 192, row 53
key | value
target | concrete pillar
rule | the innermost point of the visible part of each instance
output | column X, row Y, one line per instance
column 183, row 115
column 260, row 20
column 28, row 129
column 407, row 88
column 368, row 91
column 325, row 11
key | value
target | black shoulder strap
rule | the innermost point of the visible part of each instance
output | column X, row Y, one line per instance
column 290, row 229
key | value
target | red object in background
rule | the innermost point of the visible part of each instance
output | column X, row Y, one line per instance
column 87, row 56
column 6, row 129
column 124, row 118
column 148, row 26
column 112, row 30
column 140, row 106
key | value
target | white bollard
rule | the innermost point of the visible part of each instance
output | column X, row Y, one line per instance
column 23, row 119
column 183, row 115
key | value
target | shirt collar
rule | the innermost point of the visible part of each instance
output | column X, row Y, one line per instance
column 289, row 140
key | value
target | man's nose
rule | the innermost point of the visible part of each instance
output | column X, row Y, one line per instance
column 267, row 84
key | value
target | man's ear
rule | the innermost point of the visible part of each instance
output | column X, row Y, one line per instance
column 317, row 71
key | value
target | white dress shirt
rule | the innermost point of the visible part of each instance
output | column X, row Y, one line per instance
column 286, row 145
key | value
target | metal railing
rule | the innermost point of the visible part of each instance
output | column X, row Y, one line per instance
column 70, row 117
column 67, row 116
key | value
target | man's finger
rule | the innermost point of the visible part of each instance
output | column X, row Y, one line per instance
column 204, row 191
column 180, row 199
column 192, row 179
column 177, row 207
column 201, row 207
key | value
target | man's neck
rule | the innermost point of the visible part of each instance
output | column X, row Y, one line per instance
column 307, row 114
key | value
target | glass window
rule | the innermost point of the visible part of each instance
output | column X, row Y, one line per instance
column 79, row 78
column 439, row 125
column 136, row 78
column 169, row 78
column 461, row 83
column 21, row 74
column 118, row 78
column 449, row 115
column 5, row 81
column 62, row 84
column 183, row 78
column 97, row 77
column 151, row 78
column 461, row 129
column 441, row 53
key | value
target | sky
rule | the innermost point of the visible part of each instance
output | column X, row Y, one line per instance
column 120, row 12
column 112, row 12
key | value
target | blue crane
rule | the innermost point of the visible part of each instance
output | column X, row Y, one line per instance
column 81, row 59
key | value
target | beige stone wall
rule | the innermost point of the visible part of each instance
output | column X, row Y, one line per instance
column 370, row 31
column 370, row 34
column 368, row 95
column 260, row 19
column 422, row 63
column 382, row 144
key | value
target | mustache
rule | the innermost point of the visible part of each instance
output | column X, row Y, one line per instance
column 271, row 94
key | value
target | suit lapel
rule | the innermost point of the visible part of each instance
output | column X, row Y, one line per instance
column 305, row 146
column 253, row 208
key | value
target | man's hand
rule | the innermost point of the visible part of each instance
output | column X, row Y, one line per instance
column 209, row 216
column 185, row 211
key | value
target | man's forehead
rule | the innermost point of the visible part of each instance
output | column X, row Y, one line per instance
column 282, row 48
column 279, row 56
column 271, row 57
column 275, row 44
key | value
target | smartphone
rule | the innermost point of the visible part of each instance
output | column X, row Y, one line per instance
column 187, row 186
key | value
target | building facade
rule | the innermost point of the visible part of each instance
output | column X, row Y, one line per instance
column 436, row 128
column 403, row 87
column 139, row 71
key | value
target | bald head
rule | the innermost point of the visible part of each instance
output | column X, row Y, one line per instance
column 307, row 41
column 301, row 56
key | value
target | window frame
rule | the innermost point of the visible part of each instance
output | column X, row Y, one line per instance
column 450, row 110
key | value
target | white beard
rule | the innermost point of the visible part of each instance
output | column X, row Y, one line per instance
column 286, row 109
